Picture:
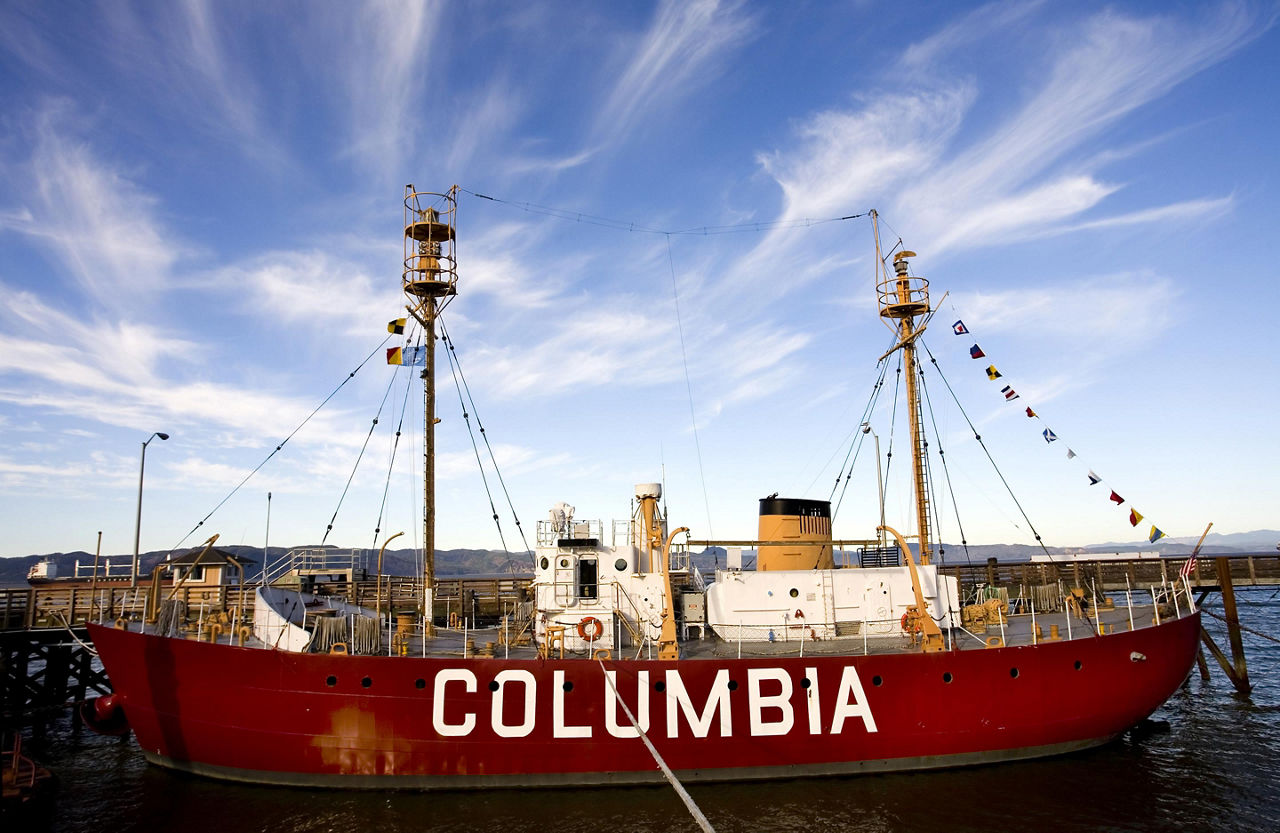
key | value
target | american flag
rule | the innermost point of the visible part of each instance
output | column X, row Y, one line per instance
column 1188, row 568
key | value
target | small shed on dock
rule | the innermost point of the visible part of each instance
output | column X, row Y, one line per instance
column 207, row 568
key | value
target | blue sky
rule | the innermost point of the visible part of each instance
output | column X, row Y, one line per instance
column 200, row 220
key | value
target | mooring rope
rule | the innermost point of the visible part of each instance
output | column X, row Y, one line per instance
column 666, row 770
column 1241, row 625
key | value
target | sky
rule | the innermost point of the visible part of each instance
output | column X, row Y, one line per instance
column 201, row 234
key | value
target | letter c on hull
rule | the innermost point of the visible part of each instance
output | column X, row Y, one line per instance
column 437, row 703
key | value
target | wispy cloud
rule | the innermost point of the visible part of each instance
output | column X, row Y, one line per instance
column 972, row 27
column 1018, row 178
column 130, row 375
column 679, row 52
column 384, row 59
column 313, row 286
column 1112, row 65
column 842, row 157
column 89, row 215
column 1112, row 310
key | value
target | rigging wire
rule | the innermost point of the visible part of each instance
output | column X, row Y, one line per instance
column 281, row 445
column 359, row 457
column 986, row 451
column 878, row 390
column 688, row 386
column 946, row 472
column 454, row 359
column 857, row 434
column 624, row 225
column 391, row 462
column 466, row 417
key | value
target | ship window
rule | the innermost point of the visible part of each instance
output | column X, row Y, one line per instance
column 419, row 683
column 620, row 565
column 1079, row 665
column 546, row 562
column 493, row 685
column 588, row 577
column 733, row 685
column 568, row 685
column 877, row 681
column 366, row 682
column 659, row 686
column 804, row 682
column 331, row 681
column 946, row 676
column 794, row 592
column 1013, row 672
column 564, row 562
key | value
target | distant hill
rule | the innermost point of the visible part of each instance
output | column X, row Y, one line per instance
column 13, row 570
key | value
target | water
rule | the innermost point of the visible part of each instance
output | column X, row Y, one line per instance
column 1210, row 771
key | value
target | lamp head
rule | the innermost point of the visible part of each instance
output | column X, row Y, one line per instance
column 162, row 436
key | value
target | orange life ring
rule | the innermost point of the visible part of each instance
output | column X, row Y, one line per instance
column 596, row 626
column 908, row 625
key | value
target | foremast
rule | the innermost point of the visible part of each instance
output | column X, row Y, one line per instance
column 429, row 280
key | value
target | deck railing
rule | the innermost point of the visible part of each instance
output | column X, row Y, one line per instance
column 50, row 606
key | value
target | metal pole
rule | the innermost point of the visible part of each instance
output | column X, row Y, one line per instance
column 137, row 525
column 266, row 545
column 867, row 429
column 93, row 582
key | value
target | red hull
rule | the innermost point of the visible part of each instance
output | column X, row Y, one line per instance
column 272, row 716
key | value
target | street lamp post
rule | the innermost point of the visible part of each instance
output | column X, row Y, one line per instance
column 137, row 527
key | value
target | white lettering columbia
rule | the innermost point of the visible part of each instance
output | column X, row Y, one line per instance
column 770, row 692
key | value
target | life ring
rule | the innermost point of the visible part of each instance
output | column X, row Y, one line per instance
column 594, row 625
column 908, row 626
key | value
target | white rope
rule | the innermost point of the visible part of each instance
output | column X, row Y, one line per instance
column 72, row 631
column 666, row 770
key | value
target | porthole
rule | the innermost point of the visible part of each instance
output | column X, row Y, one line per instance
column 366, row 682
column 733, row 685
column 804, row 682
column 564, row 563
column 1013, row 672
column 545, row 562
column 876, row 681
column 1079, row 665
column 946, row 676
column 568, row 685
column 331, row 681
column 794, row 592
column 659, row 686
column 419, row 683
column 493, row 685
column 620, row 565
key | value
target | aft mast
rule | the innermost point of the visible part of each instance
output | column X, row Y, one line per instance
column 904, row 304
column 429, row 279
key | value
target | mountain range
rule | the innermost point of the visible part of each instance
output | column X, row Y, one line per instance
column 13, row 570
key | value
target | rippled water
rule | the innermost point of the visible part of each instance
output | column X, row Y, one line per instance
column 1213, row 770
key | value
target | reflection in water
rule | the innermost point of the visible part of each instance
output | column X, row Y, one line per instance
column 1210, row 771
